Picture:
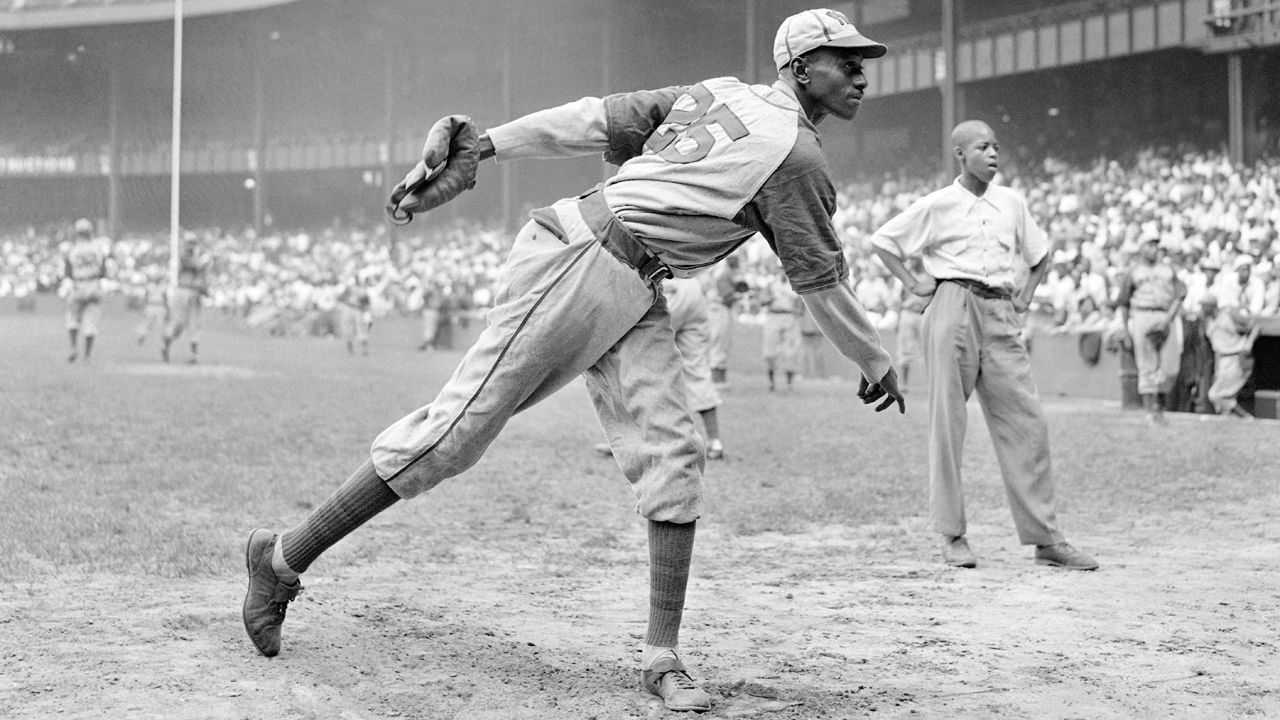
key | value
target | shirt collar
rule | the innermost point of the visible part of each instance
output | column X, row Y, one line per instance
column 968, row 194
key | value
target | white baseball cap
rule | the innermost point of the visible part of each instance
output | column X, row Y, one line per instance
column 84, row 227
column 817, row 28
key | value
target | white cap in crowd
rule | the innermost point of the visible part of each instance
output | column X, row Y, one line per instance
column 817, row 28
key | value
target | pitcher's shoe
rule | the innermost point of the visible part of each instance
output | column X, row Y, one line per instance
column 267, row 597
column 669, row 680
column 715, row 450
column 956, row 552
column 1064, row 556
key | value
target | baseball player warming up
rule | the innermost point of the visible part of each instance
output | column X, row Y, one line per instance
column 185, row 298
column 702, row 168
column 1149, row 300
column 976, row 240
column 84, row 268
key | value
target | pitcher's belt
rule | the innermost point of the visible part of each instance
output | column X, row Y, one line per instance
column 618, row 240
column 982, row 291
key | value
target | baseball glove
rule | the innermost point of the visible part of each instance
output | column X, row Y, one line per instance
column 450, row 158
column 1157, row 336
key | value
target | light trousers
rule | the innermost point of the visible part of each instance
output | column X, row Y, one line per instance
column 564, row 308
column 973, row 343
column 1157, row 366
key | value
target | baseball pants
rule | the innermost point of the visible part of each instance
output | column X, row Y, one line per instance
column 973, row 343
column 351, row 324
column 781, row 341
column 83, row 313
column 564, row 308
column 910, row 346
column 720, row 326
column 1157, row 366
column 184, row 314
column 153, row 319
column 687, row 307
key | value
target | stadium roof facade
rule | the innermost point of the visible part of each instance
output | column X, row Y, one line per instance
column 40, row 14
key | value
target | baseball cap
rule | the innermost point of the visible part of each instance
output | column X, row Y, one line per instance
column 817, row 28
column 84, row 227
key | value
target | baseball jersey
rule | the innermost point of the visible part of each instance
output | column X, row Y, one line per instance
column 355, row 296
column 1149, row 287
column 992, row 239
column 86, row 261
column 704, row 167
column 192, row 268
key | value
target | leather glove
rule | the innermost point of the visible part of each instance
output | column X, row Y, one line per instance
column 450, row 158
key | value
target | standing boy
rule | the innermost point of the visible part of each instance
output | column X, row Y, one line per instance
column 977, row 242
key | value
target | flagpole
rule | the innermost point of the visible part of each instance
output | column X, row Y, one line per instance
column 175, row 146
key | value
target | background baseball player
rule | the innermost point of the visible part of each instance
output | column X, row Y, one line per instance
column 910, row 327
column 1149, row 300
column 701, row 168
column 155, row 308
column 729, row 288
column 84, row 269
column 186, row 299
column 984, row 255
column 355, row 316
column 780, row 339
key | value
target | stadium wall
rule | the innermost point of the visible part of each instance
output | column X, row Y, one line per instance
column 322, row 103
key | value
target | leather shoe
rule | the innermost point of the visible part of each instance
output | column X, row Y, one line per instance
column 268, row 597
column 669, row 680
column 956, row 552
column 1064, row 556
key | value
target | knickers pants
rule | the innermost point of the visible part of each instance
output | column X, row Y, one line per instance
column 564, row 308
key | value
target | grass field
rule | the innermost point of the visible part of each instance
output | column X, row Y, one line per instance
column 518, row 590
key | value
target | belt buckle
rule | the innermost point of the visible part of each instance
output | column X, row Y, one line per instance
column 656, row 270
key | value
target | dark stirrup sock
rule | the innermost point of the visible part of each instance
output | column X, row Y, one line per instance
column 670, row 550
column 361, row 497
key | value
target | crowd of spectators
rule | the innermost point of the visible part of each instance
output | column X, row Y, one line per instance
column 1209, row 215
column 281, row 281
column 1217, row 223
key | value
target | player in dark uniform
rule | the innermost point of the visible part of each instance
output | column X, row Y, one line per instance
column 703, row 167
column 187, row 297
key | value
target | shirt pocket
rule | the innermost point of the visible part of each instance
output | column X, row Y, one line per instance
column 1008, row 241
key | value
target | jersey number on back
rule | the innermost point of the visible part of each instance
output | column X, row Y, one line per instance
column 685, row 137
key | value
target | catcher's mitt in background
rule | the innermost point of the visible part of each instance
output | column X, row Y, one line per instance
column 1158, row 336
column 450, row 157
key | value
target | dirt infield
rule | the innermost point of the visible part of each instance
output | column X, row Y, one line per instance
column 519, row 589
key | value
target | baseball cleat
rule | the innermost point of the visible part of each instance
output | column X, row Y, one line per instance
column 956, row 552
column 669, row 680
column 1064, row 556
column 267, row 597
column 715, row 451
